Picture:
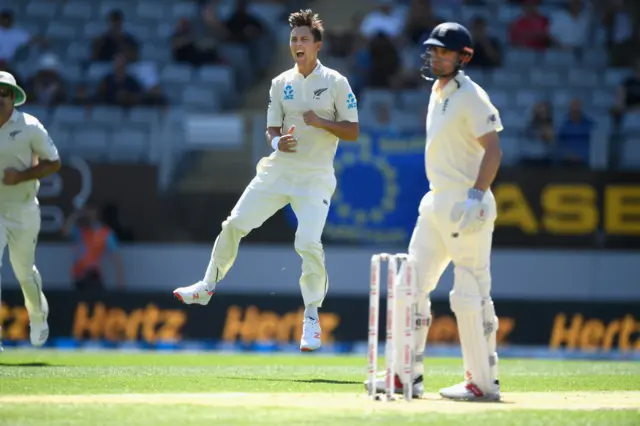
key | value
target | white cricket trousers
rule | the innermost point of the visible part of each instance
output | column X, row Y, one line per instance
column 435, row 243
column 272, row 189
column 19, row 229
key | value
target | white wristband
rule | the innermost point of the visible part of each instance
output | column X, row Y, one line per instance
column 274, row 143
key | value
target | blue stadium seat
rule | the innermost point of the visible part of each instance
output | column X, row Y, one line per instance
column 602, row 98
column 151, row 10
column 143, row 115
column 554, row 58
column 521, row 58
column 90, row 143
column 41, row 112
column 129, row 145
column 631, row 122
column 200, row 98
column 81, row 10
column 41, row 9
column 585, row 78
column 414, row 99
column 108, row 115
column 98, row 70
column 630, row 156
column 182, row 9
column 506, row 77
column 545, row 77
column 62, row 31
column 613, row 77
column 93, row 30
column 527, row 97
column 370, row 97
column 68, row 114
column 220, row 77
column 176, row 73
column 72, row 72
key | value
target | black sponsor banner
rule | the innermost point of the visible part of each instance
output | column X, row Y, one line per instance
column 567, row 208
column 131, row 188
column 119, row 317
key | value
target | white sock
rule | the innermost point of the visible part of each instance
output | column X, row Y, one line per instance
column 311, row 311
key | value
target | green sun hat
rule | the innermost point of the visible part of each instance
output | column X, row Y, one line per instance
column 7, row 79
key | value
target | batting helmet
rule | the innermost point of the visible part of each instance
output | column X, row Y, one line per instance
column 450, row 36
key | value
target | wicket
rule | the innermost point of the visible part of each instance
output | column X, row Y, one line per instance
column 404, row 291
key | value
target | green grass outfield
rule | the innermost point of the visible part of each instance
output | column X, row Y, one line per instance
column 119, row 388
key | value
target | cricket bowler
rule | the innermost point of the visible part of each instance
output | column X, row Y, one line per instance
column 311, row 107
column 27, row 154
column 457, row 215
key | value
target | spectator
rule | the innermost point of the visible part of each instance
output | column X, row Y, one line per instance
column 115, row 41
column 420, row 21
column 342, row 42
column 385, row 62
column 620, row 35
column 245, row 29
column 12, row 39
column 574, row 136
column 92, row 239
column 119, row 87
column 628, row 96
column 383, row 20
column 531, row 30
column 186, row 48
column 570, row 28
column 539, row 137
column 47, row 87
column 487, row 51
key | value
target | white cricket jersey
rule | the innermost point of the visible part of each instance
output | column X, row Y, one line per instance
column 458, row 115
column 327, row 93
column 23, row 139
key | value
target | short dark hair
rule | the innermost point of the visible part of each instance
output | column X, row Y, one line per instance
column 306, row 18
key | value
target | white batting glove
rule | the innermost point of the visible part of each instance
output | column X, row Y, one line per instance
column 470, row 213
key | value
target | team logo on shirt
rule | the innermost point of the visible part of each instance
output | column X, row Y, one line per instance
column 317, row 93
column 288, row 92
column 351, row 101
column 13, row 134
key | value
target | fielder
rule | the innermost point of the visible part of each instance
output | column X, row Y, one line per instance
column 456, row 217
column 310, row 108
column 27, row 154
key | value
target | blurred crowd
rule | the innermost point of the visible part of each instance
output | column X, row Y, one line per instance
column 381, row 49
column 131, row 81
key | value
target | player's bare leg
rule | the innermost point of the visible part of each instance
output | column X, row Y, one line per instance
column 252, row 209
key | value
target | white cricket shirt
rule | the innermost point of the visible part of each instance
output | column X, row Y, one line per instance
column 327, row 93
column 458, row 115
column 23, row 139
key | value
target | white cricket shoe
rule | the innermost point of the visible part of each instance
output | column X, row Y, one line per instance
column 468, row 391
column 197, row 293
column 311, row 333
column 418, row 385
column 1, row 340
column 38, row 324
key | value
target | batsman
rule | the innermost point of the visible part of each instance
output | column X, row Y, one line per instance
column 457, row 215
